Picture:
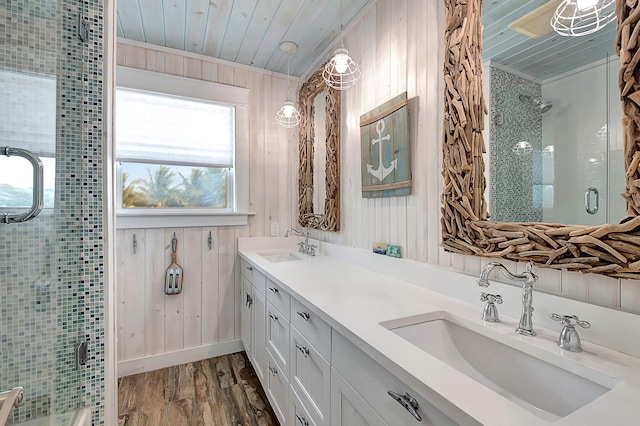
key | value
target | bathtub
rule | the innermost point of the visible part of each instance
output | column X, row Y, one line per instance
column 82, row 417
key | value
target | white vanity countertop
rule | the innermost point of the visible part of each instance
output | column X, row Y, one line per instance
column 355, row 300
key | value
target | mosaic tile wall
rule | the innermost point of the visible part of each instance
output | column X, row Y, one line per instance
column 516, row 177
column 51, row 268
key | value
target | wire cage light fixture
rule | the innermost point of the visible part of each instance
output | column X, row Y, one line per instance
column 288, row 116
column 574, row 18
column 341, row 72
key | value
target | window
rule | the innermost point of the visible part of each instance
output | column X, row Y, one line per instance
column 28, row 121
column 175, row 146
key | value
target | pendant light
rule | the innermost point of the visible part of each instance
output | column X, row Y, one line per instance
column 341, row 72
column 288, row 116
column 574, row 18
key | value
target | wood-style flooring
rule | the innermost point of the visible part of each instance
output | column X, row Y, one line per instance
column 218, row 391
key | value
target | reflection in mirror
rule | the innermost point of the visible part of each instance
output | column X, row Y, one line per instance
column 553, row 134
column 319, row 153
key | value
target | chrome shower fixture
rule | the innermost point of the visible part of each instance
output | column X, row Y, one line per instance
column 541, row 104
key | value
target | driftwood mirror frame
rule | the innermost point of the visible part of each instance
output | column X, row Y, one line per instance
column 610, row 249
column 329, row 220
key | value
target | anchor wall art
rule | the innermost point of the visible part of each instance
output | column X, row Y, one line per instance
column 384, row 135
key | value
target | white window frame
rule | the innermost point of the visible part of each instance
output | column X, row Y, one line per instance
column 172, row 85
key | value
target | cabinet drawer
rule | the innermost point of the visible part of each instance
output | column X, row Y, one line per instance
column 278, row 392
column 256, row 278
column 315, row 330
column 278, row 336
column 310, row 377
column 279, row 298
column 372, row 382
column 300, row 415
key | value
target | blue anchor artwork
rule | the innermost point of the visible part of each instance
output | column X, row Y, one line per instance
column 384, row 140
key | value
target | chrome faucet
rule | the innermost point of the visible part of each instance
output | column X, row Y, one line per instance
column 569, row 338
column 528, row 278
column 303, row 246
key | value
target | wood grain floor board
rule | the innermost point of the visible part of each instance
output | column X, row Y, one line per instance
column 222, row 391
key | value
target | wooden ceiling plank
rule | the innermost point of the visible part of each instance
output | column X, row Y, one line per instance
column 288, row 13
column 553, row 53
column 119, row 28
column 351, row 11
column 241, row 16
column 152, row 21
column 582, row 55
column 130, row 19
column 260, row 27
column 195, row 25
column 218, row 16
column 307, row 30
column 174, row 23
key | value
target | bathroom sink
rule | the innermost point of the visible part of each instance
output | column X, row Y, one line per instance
column 545, row 389
column 280, row 257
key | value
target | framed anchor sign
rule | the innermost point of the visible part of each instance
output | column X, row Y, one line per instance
column 384, row 135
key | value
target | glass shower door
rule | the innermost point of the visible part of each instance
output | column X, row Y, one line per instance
column 41, row 297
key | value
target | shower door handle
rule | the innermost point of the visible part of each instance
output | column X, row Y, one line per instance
column 591, row 200
column 38, row 191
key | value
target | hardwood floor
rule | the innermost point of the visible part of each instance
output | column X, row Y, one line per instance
column 218, row 391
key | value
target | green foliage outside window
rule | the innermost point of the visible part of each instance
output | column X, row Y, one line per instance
column 174, row 186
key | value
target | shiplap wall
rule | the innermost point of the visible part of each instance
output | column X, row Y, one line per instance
column 207, row 311
column 399, row 45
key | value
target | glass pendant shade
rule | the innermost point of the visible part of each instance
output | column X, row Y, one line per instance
column 574, row 18
column 288, row 116
column 341, row 72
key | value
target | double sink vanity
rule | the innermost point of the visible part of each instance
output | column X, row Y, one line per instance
column 347, row 337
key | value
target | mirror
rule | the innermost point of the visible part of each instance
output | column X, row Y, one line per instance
column 553, row 133
column 319, row 149
column 610, row 249
column 319, row 152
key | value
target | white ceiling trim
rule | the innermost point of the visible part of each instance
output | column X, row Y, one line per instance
column 203, row 58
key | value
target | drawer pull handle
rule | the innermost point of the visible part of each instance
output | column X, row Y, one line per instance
column 249, row 268
column 249, row 301
column 305, row 315
column 303, row 349
column 273, row 370
column 302, row 420
column 274, row 290
column 408, row 402
column 273, row 317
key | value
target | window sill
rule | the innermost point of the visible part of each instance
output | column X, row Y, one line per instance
column 154, row 219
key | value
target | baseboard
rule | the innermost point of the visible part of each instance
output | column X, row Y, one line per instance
column 156, row 362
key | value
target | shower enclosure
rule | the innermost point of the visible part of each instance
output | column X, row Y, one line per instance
column 51, row 261
column 556, row 146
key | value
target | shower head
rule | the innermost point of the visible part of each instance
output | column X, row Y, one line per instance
column 541, row 104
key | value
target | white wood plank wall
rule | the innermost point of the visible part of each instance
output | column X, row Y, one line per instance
column 207, row 312
column 399, row 46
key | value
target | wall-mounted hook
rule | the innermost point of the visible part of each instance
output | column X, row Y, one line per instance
column 210, row 241
column 134, row 244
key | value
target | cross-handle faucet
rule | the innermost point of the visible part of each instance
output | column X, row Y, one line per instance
column 303, row 246
column 528, row 278
column 569, row 338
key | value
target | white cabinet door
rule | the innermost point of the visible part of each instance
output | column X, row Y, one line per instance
column 278, row 336
column 260, row 359
column 246, row 320
column 347, row 406
column 279, row 393
column 310, row 377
